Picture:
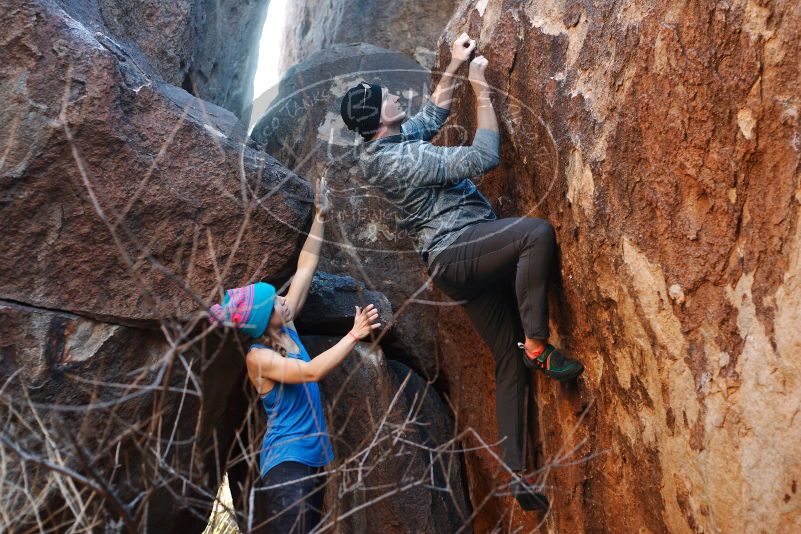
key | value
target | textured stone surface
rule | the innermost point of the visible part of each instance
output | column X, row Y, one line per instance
column 660, row 138
column 225, row 55
column 140, row 214
column 113, row 228
column 110, row 390
column 394, row 449
column 330, row 305
column 662, row 141
column 208, row 47
column 329, row 310
column 303, row 130
column 409, row 27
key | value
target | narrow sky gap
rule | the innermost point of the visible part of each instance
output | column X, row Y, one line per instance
column 266, row 80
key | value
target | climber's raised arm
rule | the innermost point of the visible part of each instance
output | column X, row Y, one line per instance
column 485, row 114
column 426, row 165
column 310, row 254
column 460, row 53
column 421, row 165
column 428, row 121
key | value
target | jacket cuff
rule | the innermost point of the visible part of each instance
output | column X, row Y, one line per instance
column 440, row 113
column 487, row 141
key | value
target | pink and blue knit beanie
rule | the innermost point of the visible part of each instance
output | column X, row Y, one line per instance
column 247, row 308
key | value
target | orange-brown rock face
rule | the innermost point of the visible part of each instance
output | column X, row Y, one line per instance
column 662, row 140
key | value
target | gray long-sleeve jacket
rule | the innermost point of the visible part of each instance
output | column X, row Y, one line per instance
column 431, row 184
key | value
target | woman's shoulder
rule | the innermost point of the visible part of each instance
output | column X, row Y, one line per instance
column 258, row 349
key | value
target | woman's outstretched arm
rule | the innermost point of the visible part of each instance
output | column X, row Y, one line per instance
column 273, row 367
column 310, row 254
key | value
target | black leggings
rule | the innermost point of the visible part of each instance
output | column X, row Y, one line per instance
column 288, row 499
column 500, row 270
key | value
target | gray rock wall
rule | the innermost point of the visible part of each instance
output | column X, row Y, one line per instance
column 408, row 27
column 127, row 205
column 303, row 130
column 208, row 47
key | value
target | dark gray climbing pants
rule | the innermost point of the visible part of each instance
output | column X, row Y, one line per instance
column 289, row 499
column 499, row 270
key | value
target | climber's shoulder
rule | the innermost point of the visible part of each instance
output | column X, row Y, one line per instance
column 260, row 355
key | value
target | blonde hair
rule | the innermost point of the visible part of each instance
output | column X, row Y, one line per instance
column 267, row 339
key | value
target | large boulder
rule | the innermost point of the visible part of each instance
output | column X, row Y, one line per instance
column 107, row 424
column 409, row 27
column 303, row 130
column 208, row 47
column 125, row 198
column 127, row 206
column 330, row 306
column 662, row 141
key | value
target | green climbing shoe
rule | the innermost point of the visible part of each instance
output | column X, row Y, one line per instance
column 553, row 363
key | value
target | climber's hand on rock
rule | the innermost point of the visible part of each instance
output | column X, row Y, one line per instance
column 476, row 75
column 365, row 322
column 322, row 202
column 461, row 48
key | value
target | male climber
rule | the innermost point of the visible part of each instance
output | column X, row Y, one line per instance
column 472, row 256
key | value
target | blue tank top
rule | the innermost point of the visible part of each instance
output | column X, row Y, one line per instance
column 296, row 429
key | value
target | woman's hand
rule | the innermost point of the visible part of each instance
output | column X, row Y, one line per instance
column 322, row 202
column 461, row 48
column 365, row 322
column 476, row 74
